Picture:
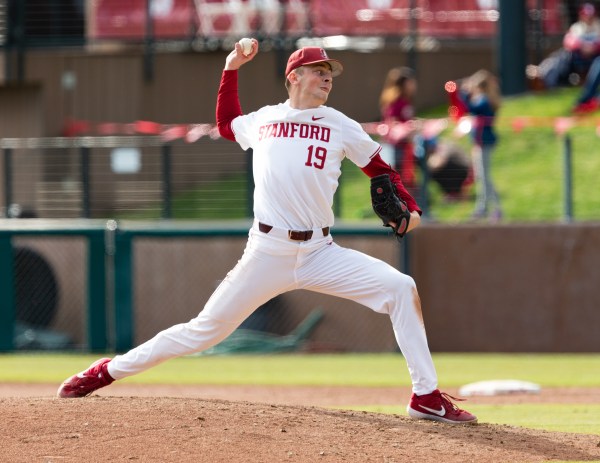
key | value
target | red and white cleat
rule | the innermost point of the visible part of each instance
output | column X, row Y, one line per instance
column 84, row 383
column 438, row 406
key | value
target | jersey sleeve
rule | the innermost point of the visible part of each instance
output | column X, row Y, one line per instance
column 228, row 103
column 242, row 127
column 231, row 122
column 359, row 147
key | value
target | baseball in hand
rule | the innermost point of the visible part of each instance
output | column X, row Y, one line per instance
column 246, row 45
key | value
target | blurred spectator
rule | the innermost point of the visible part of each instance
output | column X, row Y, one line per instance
column 588, row 100
column 480, row 94
column 583, row 39
column 450, row 167
column 396, row 106
column 581, row 45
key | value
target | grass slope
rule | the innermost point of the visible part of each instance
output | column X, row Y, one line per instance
column 528, row 166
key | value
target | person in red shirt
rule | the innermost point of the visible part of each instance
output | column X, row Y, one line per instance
column 397, row 110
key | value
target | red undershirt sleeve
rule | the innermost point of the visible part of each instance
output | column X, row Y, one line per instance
column 378, row 166
column 228, row 104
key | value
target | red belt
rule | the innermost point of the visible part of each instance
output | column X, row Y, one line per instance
column 296, row 235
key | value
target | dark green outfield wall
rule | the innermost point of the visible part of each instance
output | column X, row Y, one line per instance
column 509, row 288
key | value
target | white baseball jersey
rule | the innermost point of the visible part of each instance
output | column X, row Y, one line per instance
column 297, row 156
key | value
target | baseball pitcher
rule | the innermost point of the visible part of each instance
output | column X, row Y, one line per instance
column 298, row 147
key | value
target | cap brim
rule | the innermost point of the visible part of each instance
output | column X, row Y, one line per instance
column 336, row 66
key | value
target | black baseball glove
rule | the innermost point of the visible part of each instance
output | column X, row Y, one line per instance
column 388, row 206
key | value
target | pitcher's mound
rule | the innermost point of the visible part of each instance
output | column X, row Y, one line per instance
column 214, row 431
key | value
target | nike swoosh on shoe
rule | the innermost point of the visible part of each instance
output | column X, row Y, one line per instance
column 440, row 412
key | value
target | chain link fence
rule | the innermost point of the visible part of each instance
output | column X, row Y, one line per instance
column 174, row 275
column 105, row 285
column 157, row 273
column 125, row 177
column 53, row 285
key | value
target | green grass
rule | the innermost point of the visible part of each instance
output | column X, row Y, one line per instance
column 454, row 370
column 222, row 199
column 549, row 370
column 527, row 169
column 578, row 418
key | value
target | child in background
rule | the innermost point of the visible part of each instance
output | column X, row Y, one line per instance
column 396, row 105
column 481, row 96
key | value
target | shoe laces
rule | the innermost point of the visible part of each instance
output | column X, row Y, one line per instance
column 447, row 400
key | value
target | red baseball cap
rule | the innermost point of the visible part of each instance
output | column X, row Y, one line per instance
column 312, row 55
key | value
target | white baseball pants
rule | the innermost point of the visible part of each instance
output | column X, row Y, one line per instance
column 272, row 264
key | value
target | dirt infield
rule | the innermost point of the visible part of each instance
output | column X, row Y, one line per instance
column 130, row 423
